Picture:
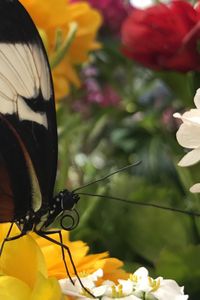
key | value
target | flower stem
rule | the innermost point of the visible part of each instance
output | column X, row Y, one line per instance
column 62, row 50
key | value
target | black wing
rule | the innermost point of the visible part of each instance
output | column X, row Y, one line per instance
column 28, row 137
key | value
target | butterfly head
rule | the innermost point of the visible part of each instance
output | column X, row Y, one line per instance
column 67, row 199
column 62, row 213
column 68, row 217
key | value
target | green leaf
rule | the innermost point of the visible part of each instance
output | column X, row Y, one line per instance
column 182, row 265
column 181, row 84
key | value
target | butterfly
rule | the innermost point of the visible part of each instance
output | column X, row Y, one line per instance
column 28, row 130
column 28, row 133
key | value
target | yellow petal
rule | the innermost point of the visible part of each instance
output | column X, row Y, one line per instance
column 55, row 262
column 62, row 75
column 88, row 21
column 84, row 263
column 22, row 258
column 45, row 13
column 13, row 289
column 4, row 230
column 49, row 17
column 47, row 289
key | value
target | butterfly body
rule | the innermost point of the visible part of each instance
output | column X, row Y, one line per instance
column 64, row 203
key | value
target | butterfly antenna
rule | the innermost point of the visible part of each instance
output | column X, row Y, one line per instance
column 107, row 176
column 182, row 211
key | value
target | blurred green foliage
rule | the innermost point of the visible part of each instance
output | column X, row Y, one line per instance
column 96, row 140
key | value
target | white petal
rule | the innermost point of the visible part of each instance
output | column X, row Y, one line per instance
column 141, row 272
column 177, row 115
column 130, row 297
column 108, row 283
column 197, row 98
column 97, row 274
column 86, row 281
column 190, row 158
column 76, row 290
column 127, row 286
column 142, row 283
column 68, row 288
column 99, row 291
column 195, row 188
column 191, row 116
column 188, row 136
column 169, row 289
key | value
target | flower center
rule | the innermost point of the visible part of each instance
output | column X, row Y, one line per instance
column 155, row 284
column 117, row 291
column 133, row 278
column 83, row 274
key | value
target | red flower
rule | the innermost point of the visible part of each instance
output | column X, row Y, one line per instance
column 164, row 37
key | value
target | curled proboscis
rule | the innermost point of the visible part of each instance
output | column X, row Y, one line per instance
column 69, row 220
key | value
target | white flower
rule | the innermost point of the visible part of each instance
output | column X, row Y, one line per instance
column 141, row 279
column 159, row 288
column 138, row 286
column 123, row 290
column 88, row 282
column 188, row 136
column 169, row 289
column 129, row 297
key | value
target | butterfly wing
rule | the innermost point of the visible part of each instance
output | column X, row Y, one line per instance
column 28, row 137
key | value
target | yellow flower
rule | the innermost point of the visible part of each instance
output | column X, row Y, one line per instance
column 85, row 263
column 24, row 273
column 49, row 18
column 25, row 266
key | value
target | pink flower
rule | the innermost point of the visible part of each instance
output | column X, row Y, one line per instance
column 103, row 96
column 114, row 12
column 110, row 97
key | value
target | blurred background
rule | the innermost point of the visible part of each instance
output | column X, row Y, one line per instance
column 121, row 69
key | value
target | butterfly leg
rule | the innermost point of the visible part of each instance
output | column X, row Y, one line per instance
column 64, row 247
column 44, row 233
column 8, row 238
